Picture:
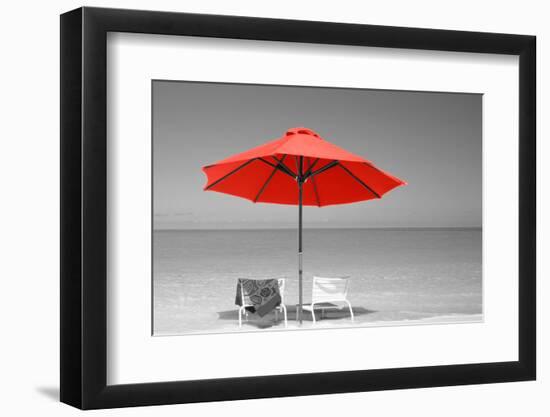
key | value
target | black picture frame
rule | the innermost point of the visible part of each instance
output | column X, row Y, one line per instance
column 84, row 207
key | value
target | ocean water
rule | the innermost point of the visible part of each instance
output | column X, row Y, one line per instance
column 397, row 275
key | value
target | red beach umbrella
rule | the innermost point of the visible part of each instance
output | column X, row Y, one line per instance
column 300, row 168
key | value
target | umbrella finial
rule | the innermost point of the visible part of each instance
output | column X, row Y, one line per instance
column 301, row 131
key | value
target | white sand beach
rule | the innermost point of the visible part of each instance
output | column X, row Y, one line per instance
column 332, row 319
column 398, row 277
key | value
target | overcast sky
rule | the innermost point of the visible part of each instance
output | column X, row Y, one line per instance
column 431, row 140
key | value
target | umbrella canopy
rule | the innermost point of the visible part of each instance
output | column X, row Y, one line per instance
column 299, row 168
column 269, row 172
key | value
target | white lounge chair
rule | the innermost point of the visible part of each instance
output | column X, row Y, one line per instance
column 280, row 308
column 329, row 294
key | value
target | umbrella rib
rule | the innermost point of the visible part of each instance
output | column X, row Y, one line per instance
column 264, row 186
column 230, row 173
column 316, row 192
column 285, row 167
column 356, row 178
column 308, row 172
column 323, row 169
column 309, row 169
column 280, row 166
column 265, row 161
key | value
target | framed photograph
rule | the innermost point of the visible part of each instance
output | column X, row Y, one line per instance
column 261, row 208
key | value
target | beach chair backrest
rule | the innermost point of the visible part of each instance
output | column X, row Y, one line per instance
column 329, row 289
column 281, row 282
column 243, row 298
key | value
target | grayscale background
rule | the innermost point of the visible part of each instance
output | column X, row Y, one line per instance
column 413, row 257
column 431, row 140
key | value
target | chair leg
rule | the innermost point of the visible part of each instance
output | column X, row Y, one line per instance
column 240, row 317
column 350, row 311
column 313, row 313
column 284, row 313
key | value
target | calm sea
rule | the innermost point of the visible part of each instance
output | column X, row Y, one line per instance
column 396, row 275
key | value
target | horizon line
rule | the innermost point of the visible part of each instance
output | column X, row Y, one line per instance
column 323, row 228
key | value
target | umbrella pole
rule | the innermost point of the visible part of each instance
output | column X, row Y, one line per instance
column 300, row 252
column 300, row 183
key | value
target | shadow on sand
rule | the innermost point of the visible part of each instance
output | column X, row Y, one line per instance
column 270, row 321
